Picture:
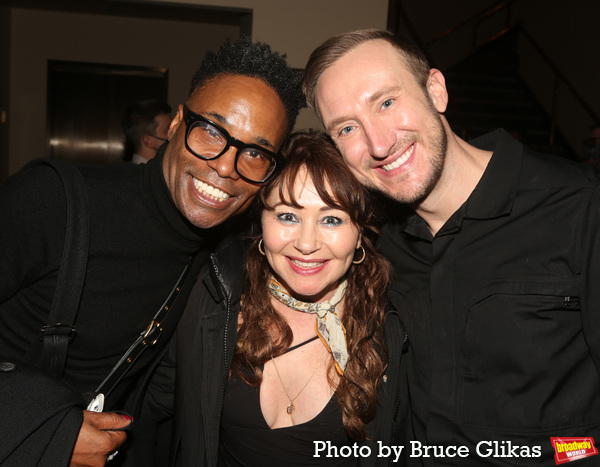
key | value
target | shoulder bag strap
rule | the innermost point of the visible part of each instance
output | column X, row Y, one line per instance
column 147, row 338
column 60, row 329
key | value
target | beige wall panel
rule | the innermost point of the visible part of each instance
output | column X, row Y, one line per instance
column 39, row 36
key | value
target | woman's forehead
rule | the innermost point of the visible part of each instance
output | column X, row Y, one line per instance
column 301, row 189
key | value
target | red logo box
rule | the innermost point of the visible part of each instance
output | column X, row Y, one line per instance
column 572, row 449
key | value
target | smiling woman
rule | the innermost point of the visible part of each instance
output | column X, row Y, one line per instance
column 310, row 353
column 308, row 244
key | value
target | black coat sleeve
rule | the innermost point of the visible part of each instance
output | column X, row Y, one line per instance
column 41, row 417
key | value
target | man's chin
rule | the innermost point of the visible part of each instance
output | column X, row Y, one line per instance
column 207, row 219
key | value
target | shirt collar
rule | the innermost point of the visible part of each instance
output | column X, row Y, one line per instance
column 495, row 193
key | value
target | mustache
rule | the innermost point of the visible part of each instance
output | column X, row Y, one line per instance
column 402, row 145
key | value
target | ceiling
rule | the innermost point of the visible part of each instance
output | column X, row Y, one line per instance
column 137, row 9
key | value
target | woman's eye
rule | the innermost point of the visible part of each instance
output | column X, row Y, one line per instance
column 287, row 217
column 387, row 104
column 332, row 220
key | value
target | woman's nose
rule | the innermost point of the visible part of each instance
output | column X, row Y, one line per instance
column 307, row 240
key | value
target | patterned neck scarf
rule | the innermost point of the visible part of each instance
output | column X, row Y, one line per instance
column 329, row 327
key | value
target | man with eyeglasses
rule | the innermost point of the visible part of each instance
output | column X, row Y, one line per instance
column 145, row 125
column 148, row 224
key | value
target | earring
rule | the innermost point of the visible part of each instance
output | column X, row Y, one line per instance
column 260, row 249
column 364, row 254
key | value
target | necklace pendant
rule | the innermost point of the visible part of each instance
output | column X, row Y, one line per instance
column 291, row 409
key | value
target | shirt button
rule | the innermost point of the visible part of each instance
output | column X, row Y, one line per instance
column 7, row 367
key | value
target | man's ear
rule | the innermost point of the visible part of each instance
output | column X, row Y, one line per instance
column 436, row 88
column 175, row 122
column 147, row 141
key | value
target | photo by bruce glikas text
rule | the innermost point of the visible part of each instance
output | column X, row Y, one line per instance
column 417, row 449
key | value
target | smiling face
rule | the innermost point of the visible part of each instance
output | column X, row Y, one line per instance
column 209, row 192
column 384, row 123
column 310, row 248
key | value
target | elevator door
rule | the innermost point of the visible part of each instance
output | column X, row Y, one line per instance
column 86, row 103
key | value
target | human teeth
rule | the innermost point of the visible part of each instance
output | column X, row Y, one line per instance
column 210, row 190
column 304, row 265
column 401, row 160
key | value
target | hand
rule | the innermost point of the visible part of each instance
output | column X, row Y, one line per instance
column 96, row 440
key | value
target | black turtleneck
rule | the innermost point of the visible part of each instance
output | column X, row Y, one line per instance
column 139, row 244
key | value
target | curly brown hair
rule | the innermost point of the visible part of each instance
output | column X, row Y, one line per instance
column 263, row 332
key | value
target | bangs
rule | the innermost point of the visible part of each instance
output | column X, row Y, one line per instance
column 300, row 174
column 313, row 155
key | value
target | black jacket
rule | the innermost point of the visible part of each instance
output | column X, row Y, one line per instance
column 206, row 339
column 40, row 430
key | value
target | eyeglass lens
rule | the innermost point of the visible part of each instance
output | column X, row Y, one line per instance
column 208, row 142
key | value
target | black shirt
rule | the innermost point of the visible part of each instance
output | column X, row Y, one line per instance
column 501, row 310
column 247, row 440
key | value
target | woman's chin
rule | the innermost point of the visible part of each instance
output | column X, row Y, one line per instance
column 313, row 295
column 311, row 291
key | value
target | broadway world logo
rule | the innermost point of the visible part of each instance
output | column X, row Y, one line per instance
column 571, row 449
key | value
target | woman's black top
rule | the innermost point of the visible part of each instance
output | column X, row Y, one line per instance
column 247, row 440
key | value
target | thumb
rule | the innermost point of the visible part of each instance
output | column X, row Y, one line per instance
column 110, row 421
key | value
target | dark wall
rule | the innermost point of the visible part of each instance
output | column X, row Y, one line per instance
column 566, row 31
column 4, row 88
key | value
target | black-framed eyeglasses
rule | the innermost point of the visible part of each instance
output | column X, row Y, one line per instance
column 209, row 141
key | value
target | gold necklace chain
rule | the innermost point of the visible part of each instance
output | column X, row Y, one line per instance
column 292, row 408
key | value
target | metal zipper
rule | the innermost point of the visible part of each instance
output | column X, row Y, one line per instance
column 228, row 309
column 226, row 332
